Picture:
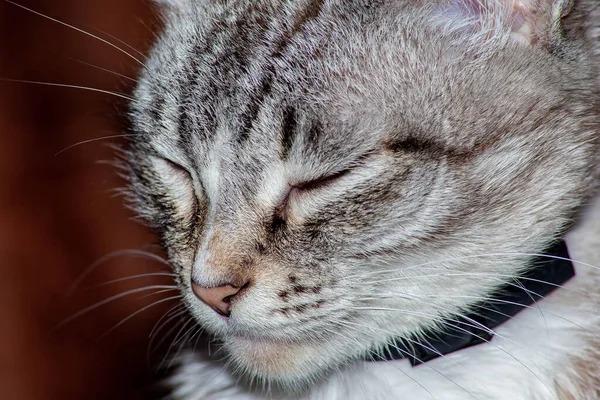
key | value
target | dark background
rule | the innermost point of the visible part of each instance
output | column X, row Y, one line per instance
column 59, row 214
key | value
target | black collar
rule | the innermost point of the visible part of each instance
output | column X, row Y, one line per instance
column 546, row 274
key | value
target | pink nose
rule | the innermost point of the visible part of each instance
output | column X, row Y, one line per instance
column 218, row 297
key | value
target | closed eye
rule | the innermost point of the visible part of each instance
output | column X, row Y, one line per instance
column 321, row 182
column 309, row 186
column 328, row 179
column 178, row 183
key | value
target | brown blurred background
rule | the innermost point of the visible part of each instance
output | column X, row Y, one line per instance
column 58, row 214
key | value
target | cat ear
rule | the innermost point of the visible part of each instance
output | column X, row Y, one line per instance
column 531, row 22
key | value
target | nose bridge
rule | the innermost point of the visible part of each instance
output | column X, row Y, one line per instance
column 221, row 259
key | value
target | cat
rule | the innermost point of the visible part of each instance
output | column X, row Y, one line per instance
column 327, row 176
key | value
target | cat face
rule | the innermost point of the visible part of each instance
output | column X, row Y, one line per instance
column 327, row 176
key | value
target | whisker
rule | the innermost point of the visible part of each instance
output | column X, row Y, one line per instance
column 574, row 323
column 373, row 359
column 178, row 314
column 483, row 327
column 134, row 277
column 159, row 292
column 421, row 361
column 437, row 318
column 110, row 71
column 508, row 354
column 487, row 274
column 185, row 336
column 76, row 29
column 342, row 335
column 184, row 341
column 164, row 360
column 63, row 85
column 198, row 332
column 198, row 339
column 97, row 139
column 138, row 312
column 106, row 301
column 164, row 338
column 471, row 323
column 433, row 296
column 530, row 294
column 402, row 269
column 109, row 256
column 124, row 43
column 174, row 311
column 483, row 299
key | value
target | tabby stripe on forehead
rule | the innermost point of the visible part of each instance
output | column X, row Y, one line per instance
column 263, row 89
column 288, row 131
column 313, row 135
column 158, row 103
column 252, row 109
column 162, row 113
column 311, row 11
column 184, row 140
column 231, row 57
column 250, row 114
column 187, row 128
column 156, row 110
column 193, row 99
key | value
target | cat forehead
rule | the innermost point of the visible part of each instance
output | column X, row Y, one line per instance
column 339, row 88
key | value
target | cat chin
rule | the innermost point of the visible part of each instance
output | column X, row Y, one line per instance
column 293, row 365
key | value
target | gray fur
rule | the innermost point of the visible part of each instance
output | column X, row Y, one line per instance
column 447, row 138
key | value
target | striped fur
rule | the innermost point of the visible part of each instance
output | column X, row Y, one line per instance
column 368, row 168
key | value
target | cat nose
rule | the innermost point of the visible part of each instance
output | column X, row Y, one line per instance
column 218, row 297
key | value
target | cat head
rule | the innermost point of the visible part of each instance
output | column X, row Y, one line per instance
column 329, row 175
